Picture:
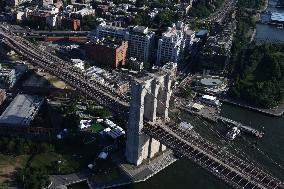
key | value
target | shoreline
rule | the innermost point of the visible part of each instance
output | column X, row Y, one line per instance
column 130, row 173
column 277, row 112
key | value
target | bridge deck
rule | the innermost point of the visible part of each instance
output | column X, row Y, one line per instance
column 101, row 93
column 233, row 170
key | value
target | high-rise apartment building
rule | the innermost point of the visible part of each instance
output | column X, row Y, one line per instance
column 171, row 45
column 141, row 43
column 7, row 78
column 104, row 31
column 107, row 53
column 140, row 39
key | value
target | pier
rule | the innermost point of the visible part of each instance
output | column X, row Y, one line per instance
column 243, row 128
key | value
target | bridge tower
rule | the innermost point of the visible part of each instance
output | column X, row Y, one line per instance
column 150, row 102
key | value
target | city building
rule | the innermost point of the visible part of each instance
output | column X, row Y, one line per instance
column 277, row 18
column 2, row 96
column 46, row 3
column 108, row 53
column 112, row 130
column 202, row 34
column 115, row 80
column 13, row 3
column 134, row 64
column 216, row 52
column 210, row 100
column 140, row 42
column 51, row 20
column 189, row 39
column 21, row 110
column 78, row 63
column 104, row 30
column 19, row 15
column 7, row 78
column 140, row 39
column 272, row 17
column 171, row 45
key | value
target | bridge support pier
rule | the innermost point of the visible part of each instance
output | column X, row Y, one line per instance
column 150, row 98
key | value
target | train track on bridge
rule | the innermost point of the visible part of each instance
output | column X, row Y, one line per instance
column 101, row 93
column 226, row 166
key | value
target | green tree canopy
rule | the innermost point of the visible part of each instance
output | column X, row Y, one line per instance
column 259, row 75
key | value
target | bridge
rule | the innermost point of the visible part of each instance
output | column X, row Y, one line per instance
column 148, row 129
column 103, row 94
column 50, row 36
column 50, row 33
column 226, row 166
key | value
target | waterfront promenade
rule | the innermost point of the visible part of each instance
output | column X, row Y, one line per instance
column 277, row 111
column 128, row 174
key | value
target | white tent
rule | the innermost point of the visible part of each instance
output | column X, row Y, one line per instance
column 103, row 155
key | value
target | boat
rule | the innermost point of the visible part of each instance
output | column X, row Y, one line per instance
column 233, row 133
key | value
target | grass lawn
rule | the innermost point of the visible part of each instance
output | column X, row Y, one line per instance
column 105, row 171
column 97, row 128
column 72, row 153
column 49, row 161
column 9, row 165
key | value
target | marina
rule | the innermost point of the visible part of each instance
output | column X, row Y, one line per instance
column 212, row 114
column 243, row 128
column 270, row 27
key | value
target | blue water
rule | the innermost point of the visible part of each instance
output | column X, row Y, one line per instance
column 267, row 33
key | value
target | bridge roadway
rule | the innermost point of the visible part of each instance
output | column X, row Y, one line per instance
column 54, row 33
column 228, row 167
column 102, row 93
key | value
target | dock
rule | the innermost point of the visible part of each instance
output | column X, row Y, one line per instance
column 208, row 113
column 242, row 127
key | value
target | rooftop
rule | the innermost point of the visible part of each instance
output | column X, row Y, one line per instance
column 111, row 43
column 208, row 97
column 201, row 32
column 21, row 110
column 139, row 29
column 277, row 16
column 210, row 81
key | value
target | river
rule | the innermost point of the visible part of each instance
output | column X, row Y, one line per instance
column 185, row 174
column 267, row 33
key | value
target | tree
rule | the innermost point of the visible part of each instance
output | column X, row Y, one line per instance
column 98, row 111
column 89, row 23
column 141, row 19
column 45, row 147
column 258, row 75
column 2, row 5
column 165, row 18
column 141, row 3
column 35, row 178
column 11, row 146
column 71, row 121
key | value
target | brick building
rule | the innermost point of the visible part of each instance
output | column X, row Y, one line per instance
column 108, row 53
column 2, row 96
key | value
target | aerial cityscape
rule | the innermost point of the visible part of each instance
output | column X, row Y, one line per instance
column 141, row 94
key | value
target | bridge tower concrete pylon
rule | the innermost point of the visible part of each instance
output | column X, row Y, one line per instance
column 150, row 98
